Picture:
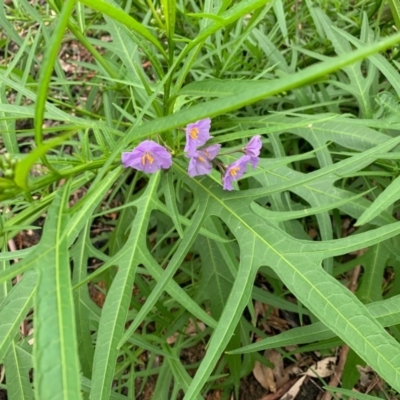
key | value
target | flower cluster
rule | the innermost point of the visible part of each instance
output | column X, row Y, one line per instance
column 149, row 156
column 236, row 170
column 197, row 134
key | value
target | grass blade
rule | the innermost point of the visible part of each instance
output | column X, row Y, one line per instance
column 121, row 16
column 46, row 69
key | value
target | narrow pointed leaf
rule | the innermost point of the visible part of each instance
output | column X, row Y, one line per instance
column 15, row 308
column 55, row 348
column 381, row 203
column 115, row 309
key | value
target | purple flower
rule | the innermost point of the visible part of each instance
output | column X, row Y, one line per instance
column 199, row 163
column 148, row 156
column 253, row 150
column 235, row 171
column 197, row 135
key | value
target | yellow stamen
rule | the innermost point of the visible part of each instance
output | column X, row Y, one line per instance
column 233, row 171
column 147, row 157
column 194, row 132
column 201, row 159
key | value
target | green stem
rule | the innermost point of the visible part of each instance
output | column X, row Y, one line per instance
column 46, row 72
column 49, row 179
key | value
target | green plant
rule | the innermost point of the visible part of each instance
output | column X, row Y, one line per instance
column 181, row 251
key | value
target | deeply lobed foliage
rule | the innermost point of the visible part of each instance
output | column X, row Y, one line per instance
column 175, row 254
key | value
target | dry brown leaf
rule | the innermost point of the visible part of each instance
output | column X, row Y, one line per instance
column 297, row 356
column 294, row 390
column 323, row 368
column 280, row 392
column 276, row 358
column 191, row 330
column 268, row 377
column 288, row 373
column 259, row 309
column 31, row 340
column 366, row 376
column 264, row 376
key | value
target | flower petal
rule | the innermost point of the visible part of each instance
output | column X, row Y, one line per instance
column 197, row 135
column 199, row 165
column 211, row 151
column 148, row 157
column 235, row 171
column 254, row 161
column 254, row 146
